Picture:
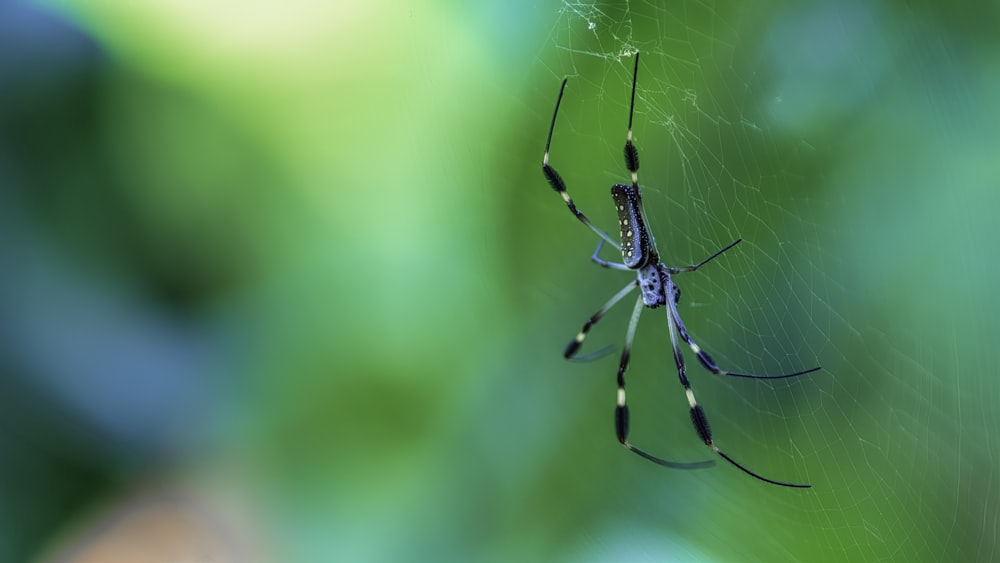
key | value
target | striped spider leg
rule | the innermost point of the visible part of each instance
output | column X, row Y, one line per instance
column 656, row 288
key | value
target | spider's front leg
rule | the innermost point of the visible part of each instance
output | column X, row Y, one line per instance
column 698, row 417
column 707, row 360
column 621, row 408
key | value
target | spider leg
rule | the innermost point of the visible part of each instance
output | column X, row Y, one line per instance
column 559, row 185
column 621, row 409
column 699, row 418
column 631, row 153
column 574, row 345
column 604, row 263
column 707, row 360
column 705, row 261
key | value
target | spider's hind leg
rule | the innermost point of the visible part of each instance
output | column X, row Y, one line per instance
column 559, row 185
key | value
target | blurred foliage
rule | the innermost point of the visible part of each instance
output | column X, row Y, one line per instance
column 283, row 280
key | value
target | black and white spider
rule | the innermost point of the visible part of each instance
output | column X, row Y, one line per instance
column 657, row 289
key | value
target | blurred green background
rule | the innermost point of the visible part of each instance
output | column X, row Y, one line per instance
column 284, row 282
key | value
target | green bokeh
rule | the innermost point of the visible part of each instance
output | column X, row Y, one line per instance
column 302, row 255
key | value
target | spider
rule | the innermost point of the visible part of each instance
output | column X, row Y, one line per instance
column 657, row 289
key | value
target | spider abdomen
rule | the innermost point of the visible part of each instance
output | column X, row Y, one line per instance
column 637, row 245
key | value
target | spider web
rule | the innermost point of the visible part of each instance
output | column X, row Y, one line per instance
column 810, row 133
